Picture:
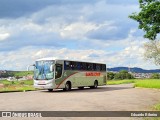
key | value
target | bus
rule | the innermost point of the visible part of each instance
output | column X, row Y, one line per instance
column 67, row 74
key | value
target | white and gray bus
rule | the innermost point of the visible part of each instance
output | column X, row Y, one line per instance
column 66, row 74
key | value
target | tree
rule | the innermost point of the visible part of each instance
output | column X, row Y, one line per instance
column 148, row 18
column 110, row 75
column 17, row 77
column 152, row 51
column 123, row 74
column 5, row 75
column 155, row 76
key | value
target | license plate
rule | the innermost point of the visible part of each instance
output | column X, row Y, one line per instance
column 41, row 82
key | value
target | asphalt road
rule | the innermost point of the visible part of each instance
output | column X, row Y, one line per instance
column 105, row 98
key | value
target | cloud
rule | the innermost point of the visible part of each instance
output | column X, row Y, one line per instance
column 4, row 36
column 122, row 2
column 77, row 30
column 128, row 56
column 28, row 55
column 18, row 8
column 63, row 22
column 98, row 31
column 107, row 32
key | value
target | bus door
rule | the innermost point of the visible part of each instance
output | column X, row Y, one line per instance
column 58, row 72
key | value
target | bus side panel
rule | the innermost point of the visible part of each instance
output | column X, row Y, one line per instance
column 80, row 78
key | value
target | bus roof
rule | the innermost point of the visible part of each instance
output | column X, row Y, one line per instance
column 49, row 58
column 52, row 58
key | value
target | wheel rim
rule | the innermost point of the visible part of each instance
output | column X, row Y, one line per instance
column 67, row 86
column 95, row 85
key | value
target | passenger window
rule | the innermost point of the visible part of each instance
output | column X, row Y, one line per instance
column 98, row 68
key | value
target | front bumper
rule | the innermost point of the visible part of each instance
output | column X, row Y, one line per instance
column 44, row 84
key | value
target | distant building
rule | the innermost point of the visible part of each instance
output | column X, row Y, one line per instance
column 142, row 75
column 29, row 77
column 11, row 78
column 3, row 71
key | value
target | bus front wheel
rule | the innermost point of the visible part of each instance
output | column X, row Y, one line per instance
column 67, row 86
column 50, row 90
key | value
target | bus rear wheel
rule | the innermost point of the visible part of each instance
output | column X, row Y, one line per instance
column 95, row 84
column 67, row 86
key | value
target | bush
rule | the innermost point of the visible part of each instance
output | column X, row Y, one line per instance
column 155, row 76
column 110, row 75
column 123, row 75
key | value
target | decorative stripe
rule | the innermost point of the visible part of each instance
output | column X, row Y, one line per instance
column 65, row 79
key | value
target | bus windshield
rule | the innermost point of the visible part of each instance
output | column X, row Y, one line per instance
column 42, row 70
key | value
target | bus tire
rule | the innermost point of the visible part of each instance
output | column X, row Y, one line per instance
column 50, row 90
column 95, row 84
column 67, row 86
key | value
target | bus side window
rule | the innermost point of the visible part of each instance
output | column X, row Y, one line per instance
column 71, row 65
column 75, row 65
column 94, row 67
column 78, row 66
column 89, row 66
column 98, row 67
column 103, row 67
column 81, row 64
column 67, row 65
column 84, row 67
column 58, row 73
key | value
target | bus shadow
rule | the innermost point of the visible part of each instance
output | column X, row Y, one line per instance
column 87, row 89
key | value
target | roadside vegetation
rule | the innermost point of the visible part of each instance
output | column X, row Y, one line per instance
column 116, row 82
column 144, row 83
column 123, row 74
column 25, row 85
column 21, row 73
column 157, row 107
column 6, row 85
column 15, row 74
column 148, row 83
column 124, row 77
column 16, row 85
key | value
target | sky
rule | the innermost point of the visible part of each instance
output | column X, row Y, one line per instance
column 85, row 30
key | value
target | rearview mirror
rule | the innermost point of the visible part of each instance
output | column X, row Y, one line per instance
column 30, row 66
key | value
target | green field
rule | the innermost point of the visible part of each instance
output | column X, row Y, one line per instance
column 21, row 73
column 144, row 83
column 25, row 85
column 148, row 83
column 157, row 107
column 116, row 82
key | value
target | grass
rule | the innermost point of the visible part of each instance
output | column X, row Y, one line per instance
column 157, row 107
column 24, row 82
column 21, row 73
column 144, row 83
column 148, row 83
column 17, row 88
column 116, row 82
column 25, row 85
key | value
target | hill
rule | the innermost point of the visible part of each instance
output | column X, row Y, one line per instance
column 134, row 69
